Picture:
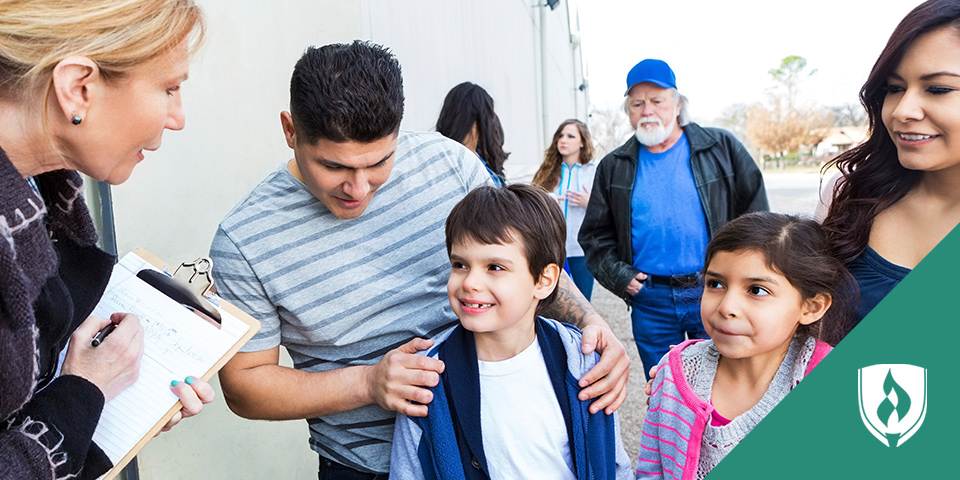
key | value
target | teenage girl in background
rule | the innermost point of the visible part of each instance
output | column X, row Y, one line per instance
column 771, row 290
column 567, row 170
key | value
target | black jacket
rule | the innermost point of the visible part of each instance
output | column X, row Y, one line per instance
column 727, row 180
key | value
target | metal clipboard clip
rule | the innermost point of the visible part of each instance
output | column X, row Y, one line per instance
column 188, row 285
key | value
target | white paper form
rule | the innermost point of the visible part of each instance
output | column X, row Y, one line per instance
column 177, row 343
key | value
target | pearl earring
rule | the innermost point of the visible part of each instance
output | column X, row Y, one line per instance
column 76, row 119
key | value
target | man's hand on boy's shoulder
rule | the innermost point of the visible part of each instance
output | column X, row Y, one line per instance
column 608, row 378
column 397, row 381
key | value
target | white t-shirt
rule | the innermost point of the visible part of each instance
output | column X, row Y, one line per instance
column 524, row 434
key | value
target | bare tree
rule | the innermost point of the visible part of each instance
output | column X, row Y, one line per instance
column 609, row 129
column 734, row 119
column 849, row 114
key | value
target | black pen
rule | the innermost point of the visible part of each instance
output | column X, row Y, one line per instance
column 103, row 334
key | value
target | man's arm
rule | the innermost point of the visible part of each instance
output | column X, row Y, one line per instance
column 570, row 306
column 255, row 385
column 608, row 378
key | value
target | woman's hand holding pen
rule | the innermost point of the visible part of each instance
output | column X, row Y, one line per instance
column 113, row 365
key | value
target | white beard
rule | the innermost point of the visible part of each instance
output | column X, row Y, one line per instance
column 655, row 136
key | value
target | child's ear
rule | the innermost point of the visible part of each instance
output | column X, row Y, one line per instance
column 547, row 282
column 815, row 308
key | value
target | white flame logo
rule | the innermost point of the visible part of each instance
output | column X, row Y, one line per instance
column 893, row 401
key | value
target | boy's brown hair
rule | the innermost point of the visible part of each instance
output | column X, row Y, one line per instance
column 515, row 213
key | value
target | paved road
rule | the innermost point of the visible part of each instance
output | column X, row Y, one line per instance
column 794, row 193
column 788, row 193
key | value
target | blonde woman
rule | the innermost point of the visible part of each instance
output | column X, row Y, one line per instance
column 567, row 171
column 86, row 86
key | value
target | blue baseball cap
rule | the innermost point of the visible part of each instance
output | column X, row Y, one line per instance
column 653, row 71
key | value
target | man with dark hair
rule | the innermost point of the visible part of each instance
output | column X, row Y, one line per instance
column 340, row 255
column 655, row 202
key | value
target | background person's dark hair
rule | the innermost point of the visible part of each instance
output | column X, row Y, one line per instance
column 464, row 105
column 346, row 92
column 797, row 249
column 515, row 213
column 873, row 178
column 548, row 175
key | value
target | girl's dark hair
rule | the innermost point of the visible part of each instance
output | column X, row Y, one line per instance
column 797, row 249
column 515, row 213
column 548, row 176
column 464, row 105
column 872, row 177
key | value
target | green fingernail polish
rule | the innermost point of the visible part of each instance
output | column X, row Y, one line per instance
column 189, row 380
column 174, row 383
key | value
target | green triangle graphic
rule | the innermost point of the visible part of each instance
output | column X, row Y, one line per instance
column 816, row 432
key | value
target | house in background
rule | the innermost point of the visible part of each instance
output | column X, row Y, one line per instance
column 837, row 140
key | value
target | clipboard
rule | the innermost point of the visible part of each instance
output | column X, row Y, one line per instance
column 175, row 339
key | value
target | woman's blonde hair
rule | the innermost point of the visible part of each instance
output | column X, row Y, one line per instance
column 118, row 35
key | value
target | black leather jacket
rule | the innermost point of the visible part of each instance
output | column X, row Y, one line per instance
column 727, row 179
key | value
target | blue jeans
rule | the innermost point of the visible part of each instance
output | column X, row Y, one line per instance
column 330, row 470
column 664, row 316
column 582, row 278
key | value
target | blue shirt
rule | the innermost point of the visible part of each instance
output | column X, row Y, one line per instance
column 875, row 276
column 668, row 226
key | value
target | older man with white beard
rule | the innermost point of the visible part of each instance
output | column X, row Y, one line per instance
column 653, row 209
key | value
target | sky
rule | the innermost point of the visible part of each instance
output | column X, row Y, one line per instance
column 721, row 50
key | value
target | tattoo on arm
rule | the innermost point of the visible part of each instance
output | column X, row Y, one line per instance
column 570, row 306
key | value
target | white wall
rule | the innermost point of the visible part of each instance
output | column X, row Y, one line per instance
column 238, row 85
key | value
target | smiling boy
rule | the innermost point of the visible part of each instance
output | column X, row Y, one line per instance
column 506, row 405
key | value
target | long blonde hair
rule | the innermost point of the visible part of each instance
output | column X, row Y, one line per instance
column 548, row 176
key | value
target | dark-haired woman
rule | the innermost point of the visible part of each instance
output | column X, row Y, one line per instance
column 899, row 193
column 567, row 170
column 467, row 116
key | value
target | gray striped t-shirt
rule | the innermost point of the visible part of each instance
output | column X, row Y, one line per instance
column 339, row 292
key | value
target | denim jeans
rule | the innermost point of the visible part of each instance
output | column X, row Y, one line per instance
column 330, row 470
column 577, row 268
column 664, row 316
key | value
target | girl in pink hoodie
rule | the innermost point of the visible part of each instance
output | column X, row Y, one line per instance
column 771, row 290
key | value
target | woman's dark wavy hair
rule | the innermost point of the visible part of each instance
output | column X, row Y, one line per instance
column 548, row 175
column 797, row 249
column 465, row 104
column 872, row 177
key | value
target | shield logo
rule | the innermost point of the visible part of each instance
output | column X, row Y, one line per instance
column 893, row 401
